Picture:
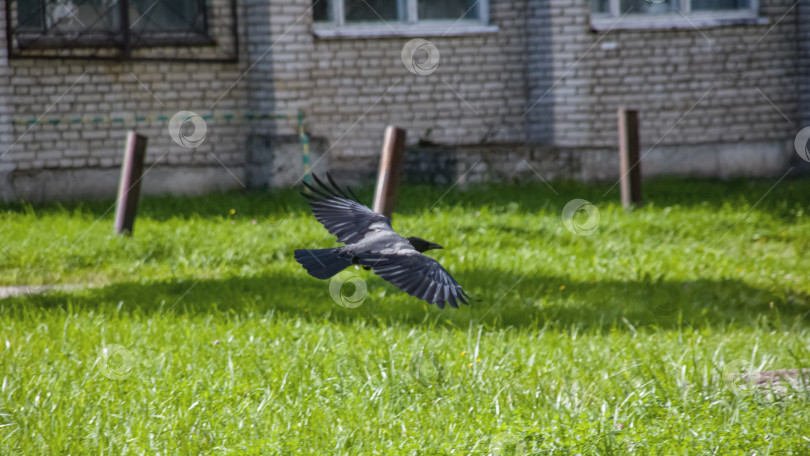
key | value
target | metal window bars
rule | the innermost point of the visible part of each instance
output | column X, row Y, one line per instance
column 162, row 30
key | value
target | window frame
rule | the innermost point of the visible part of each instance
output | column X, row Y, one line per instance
column 682, row 17
column 411, row 26
column 29, row 37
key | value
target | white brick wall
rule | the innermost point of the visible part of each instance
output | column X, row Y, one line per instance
column 663, row 74
column 70, row 89
column 543, row 77
column 358, row 86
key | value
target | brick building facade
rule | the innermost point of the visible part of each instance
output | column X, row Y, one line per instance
column 520, row 88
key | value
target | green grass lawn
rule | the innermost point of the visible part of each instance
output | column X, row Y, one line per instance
column 202, row 335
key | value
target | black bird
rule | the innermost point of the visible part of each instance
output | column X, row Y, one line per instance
column 372, row 243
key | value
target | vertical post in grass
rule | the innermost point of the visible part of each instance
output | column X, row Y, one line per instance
column 629, row 162
column 129, row 187
column 385, row 197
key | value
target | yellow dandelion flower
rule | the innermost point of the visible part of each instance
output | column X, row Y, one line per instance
column 562, row 287
column 233, row 211
column 464, row 353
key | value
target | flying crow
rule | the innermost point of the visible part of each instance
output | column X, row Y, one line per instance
column 372, row 243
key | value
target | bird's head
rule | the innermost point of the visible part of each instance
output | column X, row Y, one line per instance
column 422, row 245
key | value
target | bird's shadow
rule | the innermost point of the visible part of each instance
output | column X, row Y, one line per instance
column 503, row 298
column 511, row 300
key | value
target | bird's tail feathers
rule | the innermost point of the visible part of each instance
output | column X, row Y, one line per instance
column 322, row 263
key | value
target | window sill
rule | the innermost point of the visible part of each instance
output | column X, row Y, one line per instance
column 676, row 21
column 443, row 28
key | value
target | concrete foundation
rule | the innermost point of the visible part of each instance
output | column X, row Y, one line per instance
column 102, row 183
column 509, row 162
column 275, row 161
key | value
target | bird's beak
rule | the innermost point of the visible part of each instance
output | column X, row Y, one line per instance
column 434, row 245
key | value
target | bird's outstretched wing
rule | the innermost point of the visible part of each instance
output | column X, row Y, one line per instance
column 340, row 212
column 418, row 275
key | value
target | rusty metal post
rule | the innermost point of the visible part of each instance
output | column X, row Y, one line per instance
column 129, row 187
column 629, row 162
column 385, row 197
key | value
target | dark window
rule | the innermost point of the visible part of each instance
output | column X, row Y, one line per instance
column 322, row 11
column 368, row 12
column 654, row 7
column 149, row 16
column 718, row 5
column 448, row 9
column 647, row 7
column 373, row 10
column 67, row 23
column 600, row 6
column 29, row 16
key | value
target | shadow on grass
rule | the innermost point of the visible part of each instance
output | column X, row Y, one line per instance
column 532, row 301
column 529, row 196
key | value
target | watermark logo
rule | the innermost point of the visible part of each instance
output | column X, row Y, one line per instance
column 580, row 217
column 663, row 298
column 424, row 368
column 802, row 143
column 188, row 129
column 348, row 289
column 734, row 65
column 739, row 375
column 34, row 279
column 116, row 362
column 420, row 57
column 507, row 444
